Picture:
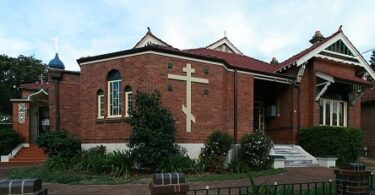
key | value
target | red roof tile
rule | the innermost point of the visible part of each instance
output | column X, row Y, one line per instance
column 236, row 60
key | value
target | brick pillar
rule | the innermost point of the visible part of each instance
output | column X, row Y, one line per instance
column 21, row 119
column 178, row 189
column 350, row 182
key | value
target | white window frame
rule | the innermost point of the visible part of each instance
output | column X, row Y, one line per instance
column 100, row 107
column 324, row 100
column 127, row 103
column 110, row 101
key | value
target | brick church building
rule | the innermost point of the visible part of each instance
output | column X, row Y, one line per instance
column 215, row 87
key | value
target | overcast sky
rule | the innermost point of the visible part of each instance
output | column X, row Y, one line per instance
column 260, row 29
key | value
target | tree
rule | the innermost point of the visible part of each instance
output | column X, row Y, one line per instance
column 372, row 60
column 13, row 72
column 154, row 130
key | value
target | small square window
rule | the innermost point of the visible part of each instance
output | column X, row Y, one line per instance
column 170, row 87
column 170, row 65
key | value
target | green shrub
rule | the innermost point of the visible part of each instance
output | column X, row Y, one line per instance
column 154, row 130
column 93, row 160
column 121, row 163
column 254, row 150
column 238, row 166
column 177, row 163
column 9, row 139
column 326, row 141
column 215, row 149
column 58, row 162
column 59, row 143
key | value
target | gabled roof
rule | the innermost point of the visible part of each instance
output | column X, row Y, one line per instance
column 316, row 51
column 150, row 38
column 224, row 42
column 236, row 60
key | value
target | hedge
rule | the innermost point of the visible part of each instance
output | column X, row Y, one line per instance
column 326, row 141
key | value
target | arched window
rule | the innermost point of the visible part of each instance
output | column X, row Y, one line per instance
column 100, row 95
column 128, row 100
column 114, row 94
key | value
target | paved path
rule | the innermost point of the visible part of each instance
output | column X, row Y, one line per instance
column 293, row 175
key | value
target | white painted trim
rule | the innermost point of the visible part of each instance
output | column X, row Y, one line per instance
column 363, row 63
column 269, row 78
column 6, row 158
column 36, row 93
column 109, row 99
column 192, row 149
column 326, row 162
column 337, row 59
column 321, row 92
column 149, row 39
column 325, row 77
column 100, row 116
column 339, row 54
column 227, row 42
column 127, row 93
column 315, row 53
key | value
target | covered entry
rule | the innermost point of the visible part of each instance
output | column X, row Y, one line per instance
column 273, row 109
column 30, row 115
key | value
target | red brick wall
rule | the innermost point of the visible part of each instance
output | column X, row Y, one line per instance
column 69, row 101
column 280, row 128
column 22, row 129
column 368, row 127
column 149, row 72
column 245, row 107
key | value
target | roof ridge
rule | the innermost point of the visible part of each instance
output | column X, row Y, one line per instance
column 312, row 47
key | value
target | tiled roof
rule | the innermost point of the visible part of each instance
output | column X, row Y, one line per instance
column 305, row 52
column 236, row 60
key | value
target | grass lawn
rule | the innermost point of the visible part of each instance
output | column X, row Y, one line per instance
column 74, row 177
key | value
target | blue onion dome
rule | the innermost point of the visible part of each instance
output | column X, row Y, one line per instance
column 56, row 63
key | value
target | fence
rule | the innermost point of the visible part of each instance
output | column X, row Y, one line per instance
column 309, row 188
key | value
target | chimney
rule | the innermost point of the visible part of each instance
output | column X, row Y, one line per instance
column 274, row 61
column 317, row 37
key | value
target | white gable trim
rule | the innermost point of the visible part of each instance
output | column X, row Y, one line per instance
column 315, row 53
column 147, row 40
column 222, row 42
column 36, row 93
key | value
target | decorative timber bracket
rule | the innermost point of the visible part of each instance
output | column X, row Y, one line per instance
column 300, row 72
column 357, row 94
column 329, row 81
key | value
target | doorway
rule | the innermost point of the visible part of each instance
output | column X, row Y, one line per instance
column 259, row 117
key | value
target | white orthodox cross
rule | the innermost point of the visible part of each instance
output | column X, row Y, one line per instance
column 56, row 44
column 41, row 78
column 188, row 78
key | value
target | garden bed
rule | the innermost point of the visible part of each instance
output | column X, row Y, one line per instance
column 73, row 177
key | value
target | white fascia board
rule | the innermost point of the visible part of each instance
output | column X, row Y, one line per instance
column 147, row 39
column 225, row 41
column 325, row 77
column 363, row 63
column 36, row 93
